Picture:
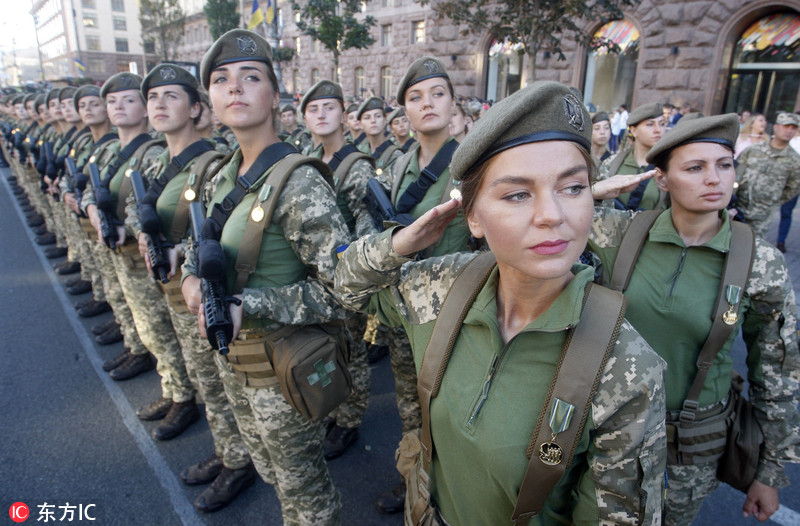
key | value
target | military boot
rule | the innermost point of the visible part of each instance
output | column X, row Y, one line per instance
column 80, row 287
column 338, row 440
column 154, row 410
column 46, row 239
column 228, row 484
column 70, row 282
column 39, row 230
column 54, row 252
column 116, row 361
column 180, row 416
column 100, row 328
column 392, row 501
column 112, row 335
column 68, row 267
column 94, row 308
column 203, row 472
column 132, row 367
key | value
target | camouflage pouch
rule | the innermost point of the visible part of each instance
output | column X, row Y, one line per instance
column 310, row 363
column 415, row 476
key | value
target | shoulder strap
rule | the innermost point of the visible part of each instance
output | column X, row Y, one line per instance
column 195, row 181
column 575, row 383
column 175, row 166
column 125, row 186
column 630, row 248
column 250, row 246
column 124, row 155
column 735, row 274
column 428, row 176
column 399, row 168
column 340, row 174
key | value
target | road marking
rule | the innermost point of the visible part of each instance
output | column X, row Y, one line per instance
column 786, row 517
column 180, row 503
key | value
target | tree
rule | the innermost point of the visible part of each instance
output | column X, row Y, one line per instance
column 163, row 23
column 539, row 25
column 334, row 25
column 222, row 16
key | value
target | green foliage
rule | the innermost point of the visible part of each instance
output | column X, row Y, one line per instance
column 537, row 24
column 283, row 54
column 222, row 16
column 163, row 23
column 334, row 24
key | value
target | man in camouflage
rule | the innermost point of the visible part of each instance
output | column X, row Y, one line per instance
column 768, row 175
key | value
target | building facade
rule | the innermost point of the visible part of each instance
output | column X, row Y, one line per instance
column 716, row 55
column 89, row 38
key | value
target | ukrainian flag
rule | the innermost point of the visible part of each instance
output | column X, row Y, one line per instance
column 80, row 65
column 256, row 16
column 270, row 11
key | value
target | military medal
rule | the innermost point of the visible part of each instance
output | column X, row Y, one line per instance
column 550, row 452
column 257, row 214
column 128, row 172
column 455, row 193
column 72, row 152
column 378, row 171
column 189, row 194
column 732, row 294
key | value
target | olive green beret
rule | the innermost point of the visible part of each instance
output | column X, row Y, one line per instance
column 372, row 103
column 18, row 99
column 85, row 91
column 167, row 74
column 399, row 112
column 237, row 45
column 599, row 117
column 66, row 93
column 351, row 108
column 29, row 97
column 719, row 129
column 324, row 89
column 644, row 112
column 121, row 82
column 288, row 107
column 422, row 69
column 41, row 100
column 788, row 119
column 52, row 95
column 543, row 111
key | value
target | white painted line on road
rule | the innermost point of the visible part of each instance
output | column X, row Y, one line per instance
column 786, row 517
column 183, row 508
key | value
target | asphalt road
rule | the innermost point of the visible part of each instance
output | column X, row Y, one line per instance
column 71, row 440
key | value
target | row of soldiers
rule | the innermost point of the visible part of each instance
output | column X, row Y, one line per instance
column 76, row 154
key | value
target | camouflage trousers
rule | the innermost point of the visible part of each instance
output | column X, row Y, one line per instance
column 57, row 215
column 351, row 411
column 89, row 269
column 113, row 295
column 152, row 322
column 405, row 379
column 370, row 334
column 687, row 488
column 202, row 368
column 286, row 450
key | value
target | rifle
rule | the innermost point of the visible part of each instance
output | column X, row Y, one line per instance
column 103, row 202
column 156, row 248
column 380, row 206
column 219, row 325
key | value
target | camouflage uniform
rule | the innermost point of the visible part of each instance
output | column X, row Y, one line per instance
column 767, row 317
column 145, row 301
column 300, row 139
column 767, row 177
column 302, row 239
column 455, row 238
column 72, row 230
column 197, row 353
column 617, row 474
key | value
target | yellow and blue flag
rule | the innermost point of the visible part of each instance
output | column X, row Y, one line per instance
column 80, row 65
column 256, row 16
column 270, row 11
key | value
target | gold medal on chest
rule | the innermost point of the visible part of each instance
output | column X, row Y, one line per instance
column 730, row 318
column 733, row 294
column 189, row 194
column 257, row 214
column 455, row 193
column 551, row 453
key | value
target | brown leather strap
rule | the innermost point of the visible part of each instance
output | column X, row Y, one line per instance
column 340, row 175
column 575, row 382
column 195, row 181
column 630, row 248
column 250, row 246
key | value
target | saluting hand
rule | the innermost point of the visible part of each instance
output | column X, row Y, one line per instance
column 618, row 184
column 426, row 230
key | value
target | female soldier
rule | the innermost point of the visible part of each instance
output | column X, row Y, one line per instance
column 401, row 129
column 373, row 121
column 676, row 281
column 645, row 126
column 601, row 134
column 460, row 123
column 294, row 263
column 536, row 219
column 174, row 106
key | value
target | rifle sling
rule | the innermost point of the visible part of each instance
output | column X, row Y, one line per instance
column 176, row 164
column 416, row 191
column 123, row 156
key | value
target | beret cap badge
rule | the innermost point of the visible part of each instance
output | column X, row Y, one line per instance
column 431, row 66
column 572, row 109
column 246, row 45
column 168, row 74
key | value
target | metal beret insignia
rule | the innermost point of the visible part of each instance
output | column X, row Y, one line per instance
column 431, row 66
column 126, row 81
column 168, row 74
column 572, row 109
column 246, row 45
column 327, row 89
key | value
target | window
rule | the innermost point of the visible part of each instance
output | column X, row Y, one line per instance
column 360, row 81
column 296, row 16
column 120, row 24
column 118, row 6
column 121, row 44
column 123, row 66
column 386, row 35
column 89, row 4
column 315, row 47
column 296, row 81
column 314, row 76
column 89, row 20
column 387, row 3
column 93, row 42
column 149, row 47
column 418, row 32
column 386, row 81
column 297, row 45
column 95, row 65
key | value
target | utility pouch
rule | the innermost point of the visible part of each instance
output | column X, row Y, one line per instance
column 416, row 476
column 310, row 363
column 700, row 440
column 739, row 462
column 249, row 360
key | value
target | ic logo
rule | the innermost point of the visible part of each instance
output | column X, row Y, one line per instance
column 19, row 512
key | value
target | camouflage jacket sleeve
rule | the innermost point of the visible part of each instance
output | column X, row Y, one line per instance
column 608, row 229
column 131, row 206
column 355, row 190
column 773, row 362
column 628, row 455
column 313, row 225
